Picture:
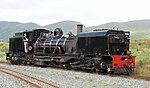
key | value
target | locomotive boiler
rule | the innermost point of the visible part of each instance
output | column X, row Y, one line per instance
column 102, row 50
column 53, row 44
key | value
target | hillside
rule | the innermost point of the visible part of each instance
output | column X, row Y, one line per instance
column 139, row 29
column 9, row 28
column 66, row 26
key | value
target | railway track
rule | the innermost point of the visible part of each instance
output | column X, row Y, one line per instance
column 112, row 75
column 35, row 82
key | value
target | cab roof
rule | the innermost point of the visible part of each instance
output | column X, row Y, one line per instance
column 99, row 33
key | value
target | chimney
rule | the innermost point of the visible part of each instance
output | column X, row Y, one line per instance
column 79, row 28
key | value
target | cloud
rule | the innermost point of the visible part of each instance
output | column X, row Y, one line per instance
column 18, row 4
column 88, row 12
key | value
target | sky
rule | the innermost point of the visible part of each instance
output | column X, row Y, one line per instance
column 88, row 12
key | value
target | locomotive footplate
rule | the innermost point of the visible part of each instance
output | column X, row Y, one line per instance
column 57, row 59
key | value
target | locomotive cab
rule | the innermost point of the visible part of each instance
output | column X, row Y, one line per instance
column 110, row 47
column 104, row 42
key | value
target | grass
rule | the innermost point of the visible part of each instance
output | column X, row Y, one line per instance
column 77, row 77
column 90, row 79
column 3, row 50
column 139, row 48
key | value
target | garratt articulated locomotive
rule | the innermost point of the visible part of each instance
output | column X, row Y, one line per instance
column 100, row 50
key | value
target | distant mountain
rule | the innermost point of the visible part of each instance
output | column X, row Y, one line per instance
column 138, row 25
column 7, row 29
column 66, row 26
column 110, row 26
column 139, row 28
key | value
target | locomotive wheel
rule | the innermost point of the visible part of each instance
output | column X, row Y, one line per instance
column 16, row 62
column 53, row 63
column 103, row 65
column 67, row 66
column 12, row 62
column 24, row 62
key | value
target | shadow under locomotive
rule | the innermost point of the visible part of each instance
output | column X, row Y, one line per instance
column 100, row 50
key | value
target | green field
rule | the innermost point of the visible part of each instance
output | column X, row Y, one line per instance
column 139, row 48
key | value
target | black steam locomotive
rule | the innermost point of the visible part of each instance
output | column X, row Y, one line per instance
column 101, row 50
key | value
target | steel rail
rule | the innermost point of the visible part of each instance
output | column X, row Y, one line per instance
column 38, row 83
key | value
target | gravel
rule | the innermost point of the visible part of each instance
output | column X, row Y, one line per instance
column 74, row 79
column 7, row 81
